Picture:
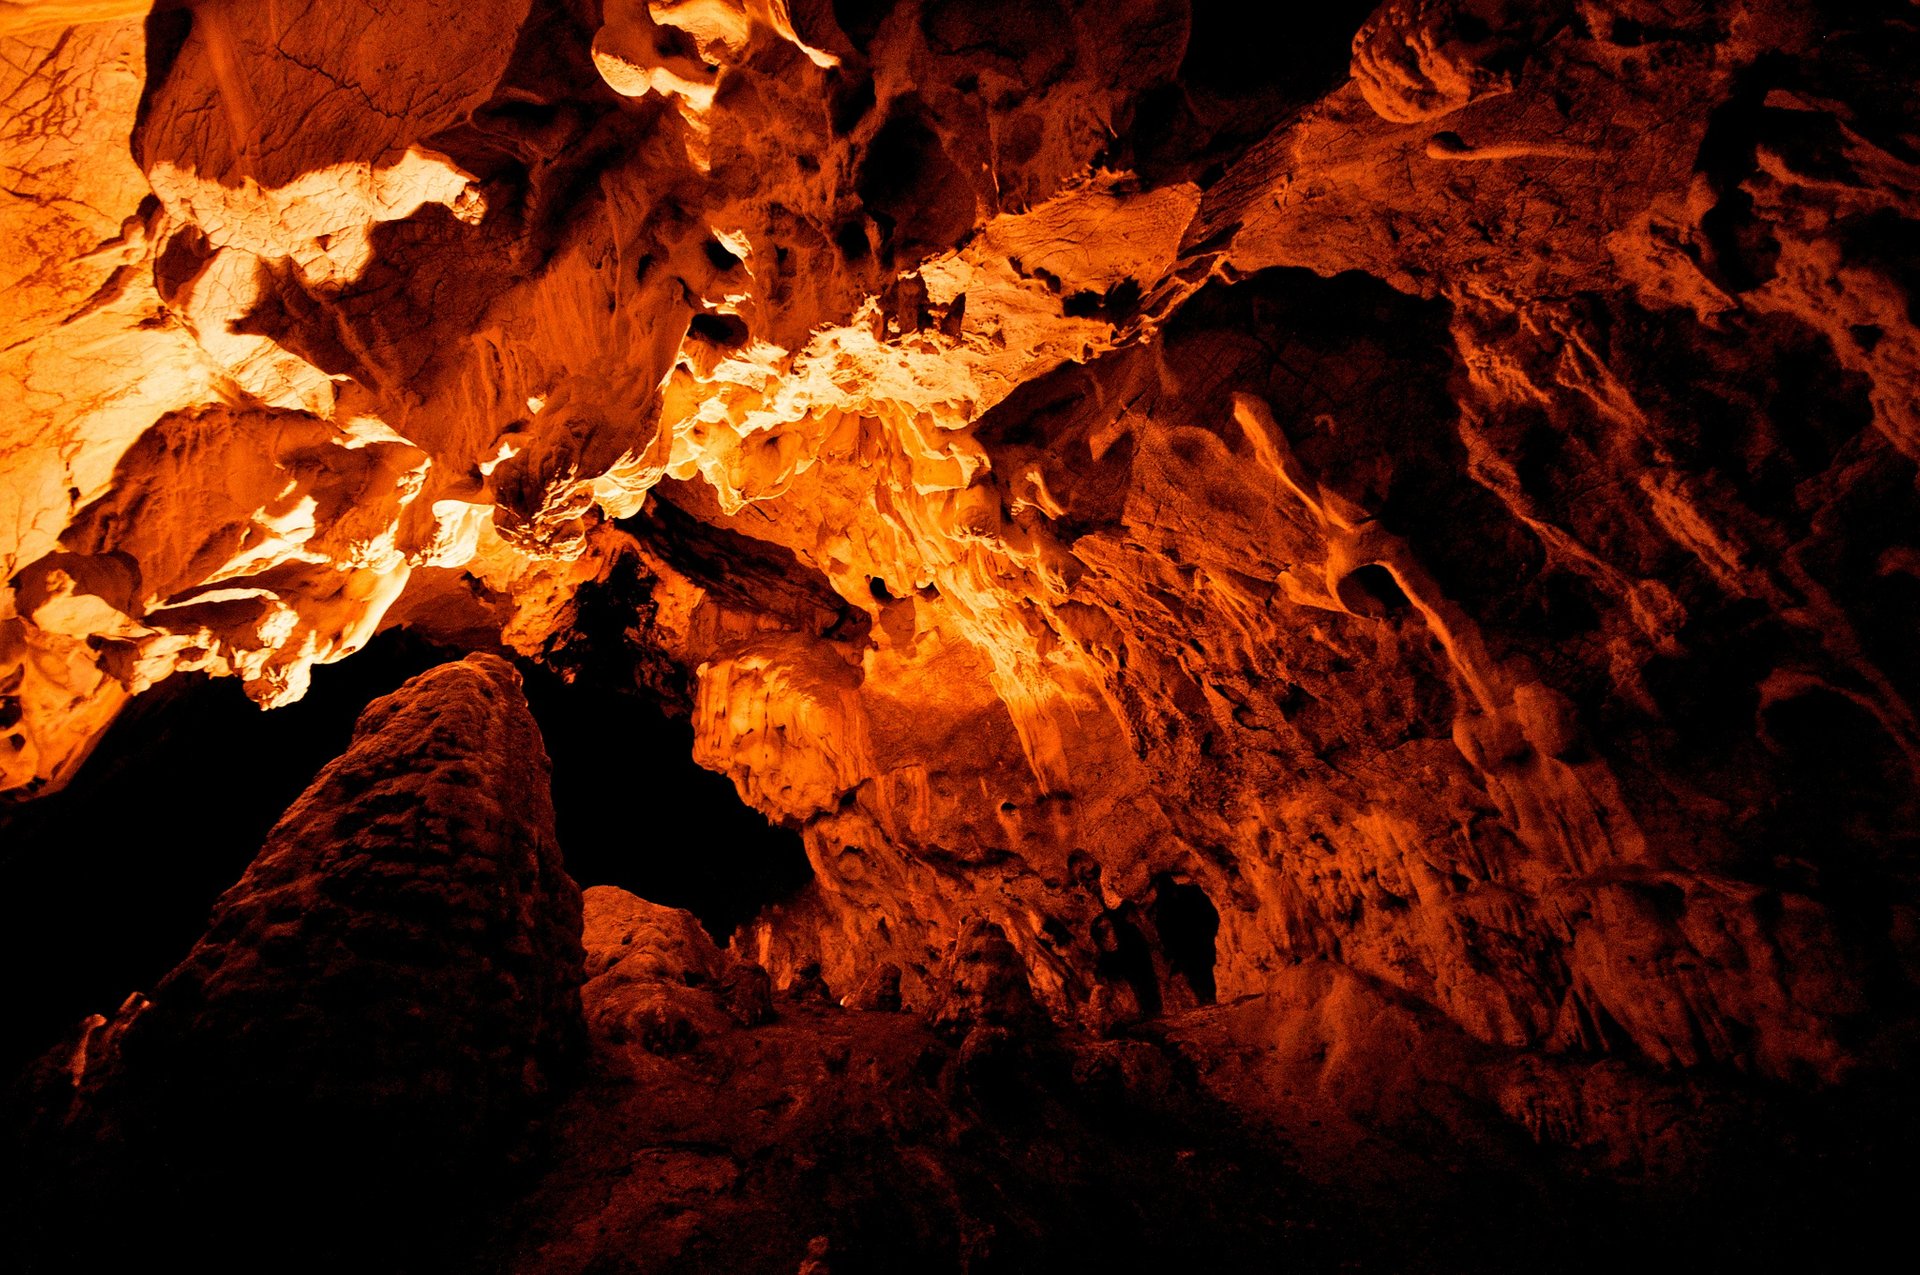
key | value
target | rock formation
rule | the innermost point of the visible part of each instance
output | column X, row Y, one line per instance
column 379, row 1005
column 1376, row 552
column 723, row 1133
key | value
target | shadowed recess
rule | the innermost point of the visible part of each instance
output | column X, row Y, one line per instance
column 102, row 899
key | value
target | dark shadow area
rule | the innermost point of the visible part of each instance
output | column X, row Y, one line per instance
column 1235, row 51
column 106, row 885
column 1245, row 69
column 910, row 186
column 860, row 19
column 634, row 810
column 1371, row 590
column 1187, row 922
column 1125, row 955
column 727, row 331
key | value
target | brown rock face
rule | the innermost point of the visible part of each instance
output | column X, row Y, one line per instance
column 378, row 1007
column 1378, row 554
column 708, row 1138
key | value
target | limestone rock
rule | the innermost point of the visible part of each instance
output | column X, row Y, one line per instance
column 379, row 1006
column 879, row 990
column 829, row 1137
column 986, row 986
column 654, row 977
column 1393, row 532
column 1417, row 60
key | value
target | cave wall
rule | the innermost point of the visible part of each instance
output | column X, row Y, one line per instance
column 1407, row 511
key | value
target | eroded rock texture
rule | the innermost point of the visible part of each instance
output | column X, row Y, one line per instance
column 1388, row 537
column 722, row 1130
column 378, row 1008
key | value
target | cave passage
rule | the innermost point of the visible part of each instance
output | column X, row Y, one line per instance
column 1187, row 922
column 1174, row 969
column 632, row 809
column 107, row 884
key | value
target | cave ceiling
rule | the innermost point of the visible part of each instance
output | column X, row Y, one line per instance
column 1396, row 524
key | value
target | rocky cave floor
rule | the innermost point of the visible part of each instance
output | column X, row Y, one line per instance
column 960, row 635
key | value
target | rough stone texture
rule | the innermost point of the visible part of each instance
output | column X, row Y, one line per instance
column 378, row 1007
column 1400, row 528
column 854, row 1139
column 867, row 1139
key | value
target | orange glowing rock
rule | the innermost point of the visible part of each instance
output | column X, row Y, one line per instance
column 1438, row 486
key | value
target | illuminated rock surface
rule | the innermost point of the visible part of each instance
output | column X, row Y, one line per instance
column 1377, row 553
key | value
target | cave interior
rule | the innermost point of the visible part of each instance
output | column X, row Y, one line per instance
column 960, row 635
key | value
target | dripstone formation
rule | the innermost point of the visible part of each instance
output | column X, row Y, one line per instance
column 379, row 1007
column 1330, row 595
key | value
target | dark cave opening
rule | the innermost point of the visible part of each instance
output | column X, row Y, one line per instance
column 909, row 184
column 1164, row 951
column 1235, row 51
column 632, row 809
column 1372, row 591
column 1187, row 922
column 107, row 884
column 726, row 331
column 860, row 19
